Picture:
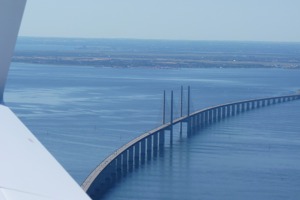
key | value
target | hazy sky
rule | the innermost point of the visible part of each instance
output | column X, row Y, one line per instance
column 258, row 20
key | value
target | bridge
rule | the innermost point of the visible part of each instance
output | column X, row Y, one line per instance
column 148, row 145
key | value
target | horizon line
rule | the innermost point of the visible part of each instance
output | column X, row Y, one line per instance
column 155, row 39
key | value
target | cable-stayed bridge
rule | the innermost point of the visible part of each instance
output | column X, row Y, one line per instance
column 148, row 145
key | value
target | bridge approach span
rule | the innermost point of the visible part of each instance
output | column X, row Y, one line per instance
column 149, row 144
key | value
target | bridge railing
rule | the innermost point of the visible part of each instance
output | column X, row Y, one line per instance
column 149, row 144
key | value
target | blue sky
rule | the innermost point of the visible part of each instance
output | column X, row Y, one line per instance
column 248, row 20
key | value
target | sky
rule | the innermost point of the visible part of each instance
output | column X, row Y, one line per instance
column 233, row 20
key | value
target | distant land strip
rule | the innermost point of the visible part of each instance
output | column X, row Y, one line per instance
column 157, row 54
column 151, row 61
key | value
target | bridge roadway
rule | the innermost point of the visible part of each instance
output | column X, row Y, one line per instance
column 147, row 145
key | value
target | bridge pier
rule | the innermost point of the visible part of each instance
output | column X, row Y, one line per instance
column 125, row 162
column 279, row 100
column 207, row 120
column 228, row 111
column 197, row 119
column 220, row 111
column 143, row 151
column 238, row 109
column 130, row 159
column 155, row 144
column 189, row 127
column 113, row 171
column 263, row 103
column 149, row 147
column 203, row 119
column 273, row 101
column 161, row 139
column 204, row 114
column 137, row 154
column 212, row 115
column 252, row 105
column 119, row 166
column 243, row 107
column 248, row 106
column 192, row 125
column 196, row 123
column 223, row 111
column 215, row 115
column 233, row 109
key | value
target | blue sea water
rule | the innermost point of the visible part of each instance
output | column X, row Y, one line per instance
column 82, row 114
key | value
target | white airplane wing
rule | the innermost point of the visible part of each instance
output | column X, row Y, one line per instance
column 27, row 170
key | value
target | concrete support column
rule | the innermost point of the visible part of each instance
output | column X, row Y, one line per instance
column 273, row 101
column 228, row 110
column 130, row 158
column 239, row 109
column 113, row 171
column 106, row 177
column 207, row 116
column 189, row 127
column 211, row 113
column 196, row 123
column 204, row 118
column 192, row 121
column 155, row 144
column 199, row 121
column 215, row 115
column 243, row 107
column 149, row 147
column 137, row 154
column 219, row 113
column 223, row 112
column 161, row 139
column 125, row 162
column 143, row 151
column 119, row 166
column 233, row 109
column 252, row 105
column 248, row 105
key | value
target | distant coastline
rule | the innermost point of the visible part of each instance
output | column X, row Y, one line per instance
column 129, row 53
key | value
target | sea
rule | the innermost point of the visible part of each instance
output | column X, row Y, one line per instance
column 82, row 114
